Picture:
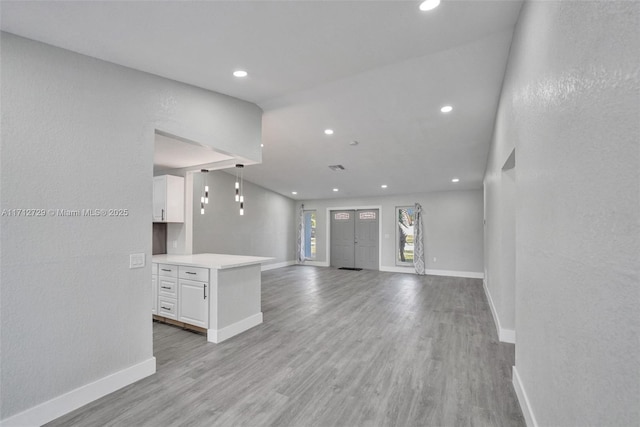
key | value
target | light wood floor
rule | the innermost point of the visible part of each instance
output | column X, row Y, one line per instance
column 337, row 348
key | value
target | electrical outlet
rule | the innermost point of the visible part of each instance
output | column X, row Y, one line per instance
column 136, row 260
column 174, row 244
column 434, row 259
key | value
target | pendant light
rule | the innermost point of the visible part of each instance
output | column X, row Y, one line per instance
column 237, row 185
column 204, row 197
column 240, row 187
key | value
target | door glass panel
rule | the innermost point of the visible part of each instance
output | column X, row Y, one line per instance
column 367, row 215
column 342, row 216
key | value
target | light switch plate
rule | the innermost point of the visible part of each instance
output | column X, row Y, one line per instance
column 136, row 260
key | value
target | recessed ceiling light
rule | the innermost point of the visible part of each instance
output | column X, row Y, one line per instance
column 455, row 180
column 240, row 73
column 294, row 192
column 429, row 4
column 335, row 189
column 328, row 131
column 383, row 186
column 446, row 109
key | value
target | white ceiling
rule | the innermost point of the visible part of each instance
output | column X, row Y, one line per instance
column 374, row 71
column 171, row 153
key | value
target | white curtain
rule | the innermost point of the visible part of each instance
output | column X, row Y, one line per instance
column 418, row 241
column 300, row 236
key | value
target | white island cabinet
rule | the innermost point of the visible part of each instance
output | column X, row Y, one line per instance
column 218, row 294
column 192, row 293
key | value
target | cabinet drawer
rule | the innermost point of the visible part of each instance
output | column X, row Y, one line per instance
column 168, row 307
column 194, row 273
column 168, row 287
column 168, row 270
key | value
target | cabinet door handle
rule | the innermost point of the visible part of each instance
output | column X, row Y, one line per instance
column 204, row 289
column 163, row 214
column 189, row 272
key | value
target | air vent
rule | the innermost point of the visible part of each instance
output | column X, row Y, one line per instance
column 336, row 168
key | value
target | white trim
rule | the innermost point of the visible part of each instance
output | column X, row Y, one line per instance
column 523, row 399
column 453, row 273
column 315, row 263
column 449, row 273
column 219, row 335
column 507, row 335
column 74, row 399
column 396, row 269
column 266, row 267
column 504, row 335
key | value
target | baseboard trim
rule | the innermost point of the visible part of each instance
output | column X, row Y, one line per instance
column 523, row 399
column 451, row 273
column 315, row 263
column 70, row 401
column 407, row 270
column 448, row 273
column 507, row 335
column 504, row 335
column 219, row 335
column 267, row 267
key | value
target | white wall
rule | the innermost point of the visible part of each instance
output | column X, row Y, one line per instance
column 78, row 133
column 267, row 227
column 571, row 107
column 500, row 255
column 452, row 221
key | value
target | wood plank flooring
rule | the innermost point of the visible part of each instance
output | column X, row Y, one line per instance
column 337, row 348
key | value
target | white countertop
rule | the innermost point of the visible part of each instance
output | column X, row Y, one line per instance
column 216, row 261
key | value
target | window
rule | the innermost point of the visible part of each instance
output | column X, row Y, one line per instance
column 310, row 234
column 405, row 216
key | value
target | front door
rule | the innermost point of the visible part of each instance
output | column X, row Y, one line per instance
column 355, row 239
column 366, row 241
column 342, row 239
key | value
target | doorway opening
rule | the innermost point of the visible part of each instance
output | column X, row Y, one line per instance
column 507, row 266
column 355, row 238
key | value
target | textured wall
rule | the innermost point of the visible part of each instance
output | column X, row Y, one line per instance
column 267, row 227
column 453, row 227
column 78, row 133
column 571, row 107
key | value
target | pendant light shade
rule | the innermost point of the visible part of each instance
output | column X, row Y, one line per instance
column 239, row 187
column 204, row 196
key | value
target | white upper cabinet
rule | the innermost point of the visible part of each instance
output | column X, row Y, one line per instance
column 168, row 198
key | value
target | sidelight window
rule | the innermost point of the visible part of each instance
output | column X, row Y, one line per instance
column 310, row 235
column 405, row 215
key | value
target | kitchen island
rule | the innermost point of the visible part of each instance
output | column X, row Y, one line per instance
column 216, row 293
